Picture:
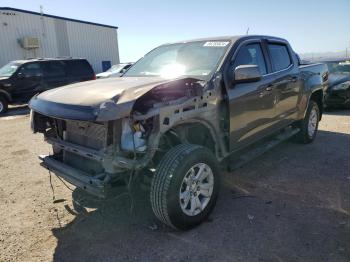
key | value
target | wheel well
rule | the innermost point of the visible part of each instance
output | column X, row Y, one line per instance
column 5, row 96
column 194, row 133
column 318, row 98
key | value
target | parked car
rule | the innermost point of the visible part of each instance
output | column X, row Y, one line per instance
column 178, row 115
column 115, row 71
column 338, row 93
column 21, row 80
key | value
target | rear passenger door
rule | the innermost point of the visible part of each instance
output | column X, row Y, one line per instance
column 252, row 104
column 287, row 81
column 54, row 74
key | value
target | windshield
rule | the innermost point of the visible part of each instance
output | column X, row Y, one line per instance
column 183, row 59
column 9, row 69
column 116, row 68
column 339, row 68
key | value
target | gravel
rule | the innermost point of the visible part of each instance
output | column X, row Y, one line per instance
column 297, row 209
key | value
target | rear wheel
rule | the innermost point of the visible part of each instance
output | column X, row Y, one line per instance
column 185, row 186
column 3, row 105
column 309, row 125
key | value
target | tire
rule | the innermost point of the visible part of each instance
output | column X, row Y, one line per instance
column 172, row 179
column 308, row 130
column 3, row 105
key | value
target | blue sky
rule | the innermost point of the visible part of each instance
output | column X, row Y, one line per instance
column 310, row 25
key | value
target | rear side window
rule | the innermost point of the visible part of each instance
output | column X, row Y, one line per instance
column 279, row 56
column 54, row 69
column 251, row 54
column 79, row 68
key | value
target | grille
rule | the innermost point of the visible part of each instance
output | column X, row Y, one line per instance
column 86, row 134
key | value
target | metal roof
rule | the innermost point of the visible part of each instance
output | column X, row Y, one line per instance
column 53, row 16
column 39, row 59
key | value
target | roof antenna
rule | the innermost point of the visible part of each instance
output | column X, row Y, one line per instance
column 247, row 32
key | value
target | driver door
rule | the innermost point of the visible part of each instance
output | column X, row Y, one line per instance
column 28, row 81
column 252, row 104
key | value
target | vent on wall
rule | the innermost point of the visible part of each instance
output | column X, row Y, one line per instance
column 30, row 43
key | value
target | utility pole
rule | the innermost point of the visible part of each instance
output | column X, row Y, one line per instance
column 346, row 52
column 42, row 21
column 247, row 32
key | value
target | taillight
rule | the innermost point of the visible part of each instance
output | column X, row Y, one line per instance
column 94, row 77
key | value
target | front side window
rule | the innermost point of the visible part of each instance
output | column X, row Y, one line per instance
column 279, row 56
column 251, row 54
column 198, row 59
column 9, row 69
column 31, row 69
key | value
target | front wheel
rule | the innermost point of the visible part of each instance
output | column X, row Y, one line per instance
column 185, row 186
column 309, row 125
column 3, row 105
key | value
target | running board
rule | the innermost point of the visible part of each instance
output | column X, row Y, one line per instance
column 260, row 148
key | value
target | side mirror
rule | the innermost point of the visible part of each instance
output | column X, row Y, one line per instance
column 247, row 73
column 21, row 75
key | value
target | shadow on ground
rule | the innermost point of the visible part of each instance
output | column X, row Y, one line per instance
column 337, row 112
column 16, row 111
column 285, row 206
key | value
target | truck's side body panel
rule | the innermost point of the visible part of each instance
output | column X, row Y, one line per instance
column 258, row 109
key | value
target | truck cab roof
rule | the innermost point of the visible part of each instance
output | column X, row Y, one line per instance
column 234, row 38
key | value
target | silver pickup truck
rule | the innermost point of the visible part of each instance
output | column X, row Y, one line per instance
column 179, row 114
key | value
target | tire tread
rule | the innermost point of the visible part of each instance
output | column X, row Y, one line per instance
column 161, row 181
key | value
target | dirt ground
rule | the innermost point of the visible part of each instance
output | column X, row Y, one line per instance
column 292, row 204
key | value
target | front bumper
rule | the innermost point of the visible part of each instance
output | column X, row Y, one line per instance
column 98, row 185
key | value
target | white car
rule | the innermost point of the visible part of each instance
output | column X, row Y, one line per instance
column 115, row 71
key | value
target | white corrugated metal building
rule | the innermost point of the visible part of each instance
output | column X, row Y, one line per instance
column 25, row 34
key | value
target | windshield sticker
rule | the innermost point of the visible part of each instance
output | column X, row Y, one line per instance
column 216, row 44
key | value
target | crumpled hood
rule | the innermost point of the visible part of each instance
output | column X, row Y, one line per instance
column 335, row 79
column 95, row 92
column 97, row 100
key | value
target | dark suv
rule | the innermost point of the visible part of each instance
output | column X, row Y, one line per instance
column 21, row 80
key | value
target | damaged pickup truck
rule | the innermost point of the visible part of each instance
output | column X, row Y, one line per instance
column 179, row 114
